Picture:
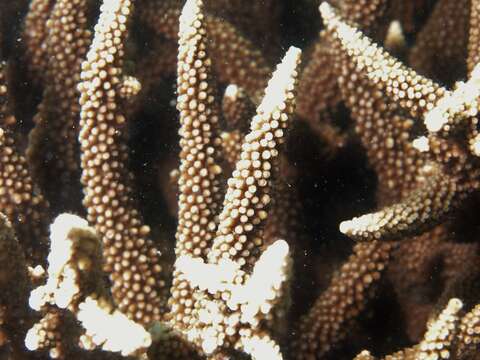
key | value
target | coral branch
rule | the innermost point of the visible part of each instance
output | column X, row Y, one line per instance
column 134, row 265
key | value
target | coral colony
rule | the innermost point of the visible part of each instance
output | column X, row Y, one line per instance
column 178, row 180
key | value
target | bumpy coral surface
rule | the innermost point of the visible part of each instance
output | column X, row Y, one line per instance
column 228, row 179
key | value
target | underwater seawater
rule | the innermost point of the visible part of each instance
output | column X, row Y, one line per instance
column 228, row 179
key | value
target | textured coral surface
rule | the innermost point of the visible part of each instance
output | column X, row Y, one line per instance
column 231, row 179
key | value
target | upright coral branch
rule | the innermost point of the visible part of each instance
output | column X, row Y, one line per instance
column 53, row 148
column 199, row 182
column 338, row 307
column 21, row 201
column 248, row 192
column 134, row 264
column 441, row 333
column 236, row 59
column 438, row 342
column 213, row 294
column 34, row 33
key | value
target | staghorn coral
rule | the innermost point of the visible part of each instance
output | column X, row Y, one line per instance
column 131, row 259
column 441, row 109
column 66, row 43
column 438, row 340
column 237, row 252
column 218, row 310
